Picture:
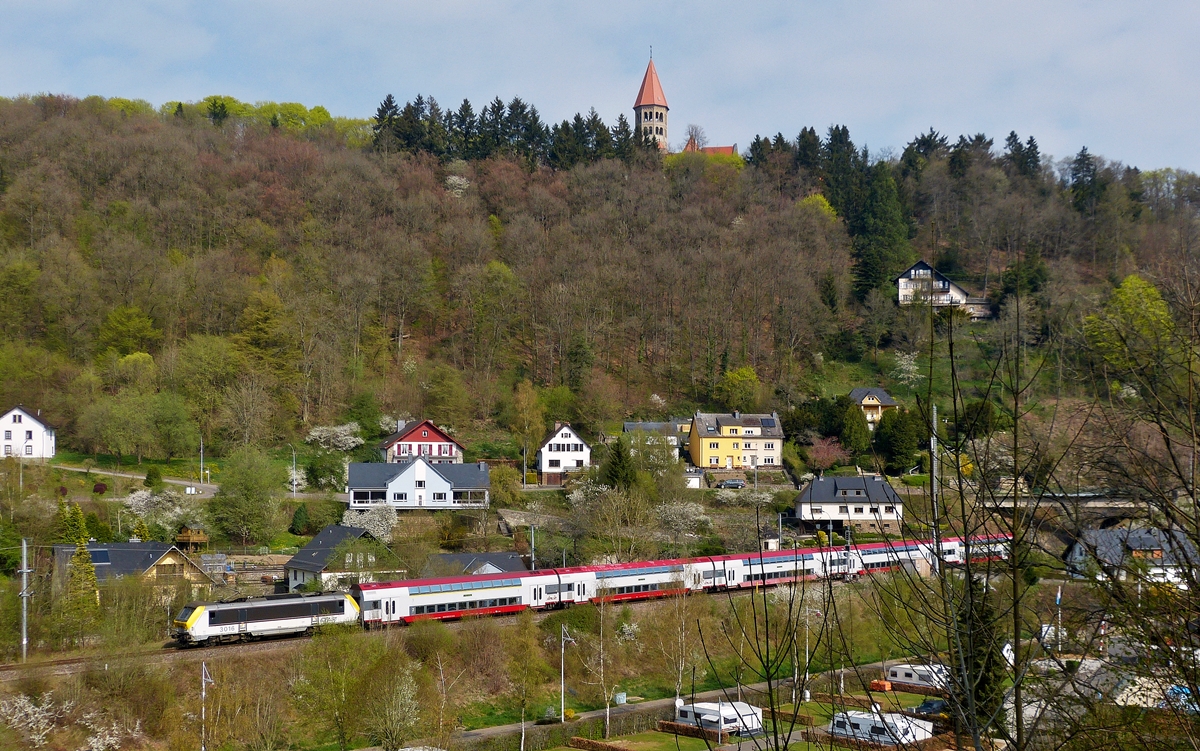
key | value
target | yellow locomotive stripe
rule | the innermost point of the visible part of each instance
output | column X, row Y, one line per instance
column 195, row 616
column 354, row 603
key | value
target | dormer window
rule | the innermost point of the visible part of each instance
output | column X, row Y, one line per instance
column 733, row 431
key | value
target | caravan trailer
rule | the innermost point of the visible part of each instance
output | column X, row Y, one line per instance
column 890, row 729
column 920, row 678
column 733, row 717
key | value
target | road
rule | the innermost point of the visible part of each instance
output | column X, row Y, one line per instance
column 204, row 489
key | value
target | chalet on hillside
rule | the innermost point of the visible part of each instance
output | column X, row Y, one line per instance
column 421, row 439
column 873, row 402
column 923, row 284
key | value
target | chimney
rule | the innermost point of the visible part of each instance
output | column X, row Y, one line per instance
column 399, row 424
column 557, row 425
column 736, row 414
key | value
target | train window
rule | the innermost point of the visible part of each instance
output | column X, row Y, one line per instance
column 441, row 608
column 372, row 605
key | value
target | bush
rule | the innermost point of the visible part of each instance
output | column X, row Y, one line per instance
column 100, row 488
column 300, row 523
column 326, row 470
column 153, row 477
column 506, row 486
column 579, row 619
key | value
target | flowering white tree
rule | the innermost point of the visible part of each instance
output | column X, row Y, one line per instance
column 379, row 521
column 336, row 437
column 34, row 720
column 906, row 370
column 168, row 507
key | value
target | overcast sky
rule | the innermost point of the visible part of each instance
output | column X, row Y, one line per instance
column 1117, row 77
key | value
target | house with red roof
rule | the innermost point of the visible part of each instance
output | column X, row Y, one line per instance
column 421, row 439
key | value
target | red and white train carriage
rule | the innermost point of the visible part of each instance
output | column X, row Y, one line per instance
column 389, row 603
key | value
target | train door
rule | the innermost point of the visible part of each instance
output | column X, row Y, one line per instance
column 538, row 596
column 243, row 621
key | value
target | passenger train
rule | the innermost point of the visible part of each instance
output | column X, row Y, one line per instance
column 400, row 602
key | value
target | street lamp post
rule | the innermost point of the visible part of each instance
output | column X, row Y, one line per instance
column 293, row 448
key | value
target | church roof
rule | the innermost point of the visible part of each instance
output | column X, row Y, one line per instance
column 651, row 91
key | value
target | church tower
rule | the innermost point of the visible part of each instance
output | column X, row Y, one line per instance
column 650, row 109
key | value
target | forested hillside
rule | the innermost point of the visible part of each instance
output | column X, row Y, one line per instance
column 216, row 270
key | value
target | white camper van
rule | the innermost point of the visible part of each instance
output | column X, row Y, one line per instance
column 925, row 676
column 877, row 727
column 733, row 717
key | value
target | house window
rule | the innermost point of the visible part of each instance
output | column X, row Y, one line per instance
column 768, row 460
column 420, row 483
column 16, row 418
column 768, row 446
column 843, row 509
column 749, row 445
column 735, row 445
column 424, row 433
column 439, row 496
column 733, row 431
column 29, row 450
column 359, row 495
column 858, row 509
column 712, row 460
column 578, row 463
column 399, row 496
column 555, row 463
column 874, row 509
column 714, row 445
column 818, row 509
column 889, row 509
column 29, row 435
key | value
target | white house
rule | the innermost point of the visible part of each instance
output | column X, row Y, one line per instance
column 423, row 439
column 563, row 451
column 867, row 503
column 923, row 284
column 25, row 435
column 889, row 729
column 418, row 483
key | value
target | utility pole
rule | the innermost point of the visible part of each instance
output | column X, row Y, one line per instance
column 205, row 679
column 201, row 457
column 564, row 637
column 25, row 595
column 532, row 549
column 933, row 489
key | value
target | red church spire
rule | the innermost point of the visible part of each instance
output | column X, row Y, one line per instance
column 651, row 92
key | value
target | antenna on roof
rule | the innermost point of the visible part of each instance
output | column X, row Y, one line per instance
column 652, row 52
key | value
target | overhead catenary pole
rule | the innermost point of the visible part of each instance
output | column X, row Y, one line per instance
column 533, row 549
column 205, row 679
column 25, row 595
column 201, row 457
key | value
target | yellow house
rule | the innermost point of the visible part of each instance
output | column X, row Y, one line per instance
column 735, row 441
column 873, row 402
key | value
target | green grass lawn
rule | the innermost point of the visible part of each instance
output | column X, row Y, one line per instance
column 652, row 740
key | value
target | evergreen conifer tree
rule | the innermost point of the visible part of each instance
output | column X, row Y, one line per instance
column 881, row 246
column 81, row 600
column 855, row 435
column 141, row 531
column 983, row 665
column 299, row 525
column 619, row 471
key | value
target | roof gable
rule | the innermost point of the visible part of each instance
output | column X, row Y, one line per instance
column 29, row 415
column 410, row 433
column 314, row 557
column 871, row 489
column 116, row 559
column 859, row 394
column 934, row 274
column 651, row 92
column 559, row 428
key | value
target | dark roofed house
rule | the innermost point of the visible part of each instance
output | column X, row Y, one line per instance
column 1158, row 555
column 873, row 402
column 321, row 560
column 922, row 284
column 157, row 562
column 418, row 483
column 471, row 564
column 868, row 503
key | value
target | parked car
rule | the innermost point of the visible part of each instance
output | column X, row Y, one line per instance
column 932, row 708
column 735, row 484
